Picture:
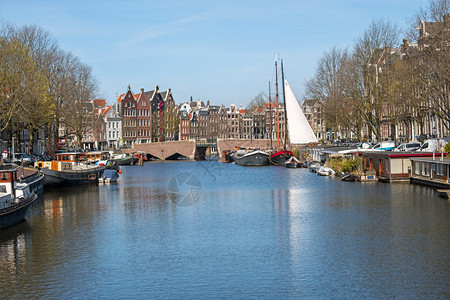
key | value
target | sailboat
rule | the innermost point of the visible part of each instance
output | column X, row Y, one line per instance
column 299, row 130
column 280, row 156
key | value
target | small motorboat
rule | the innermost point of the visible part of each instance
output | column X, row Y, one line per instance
column 109, row 175
column 325, row 171
column 293, row 162
column 314, row 167
column 349, row 177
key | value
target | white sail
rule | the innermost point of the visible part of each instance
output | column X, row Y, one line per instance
column 300, row 132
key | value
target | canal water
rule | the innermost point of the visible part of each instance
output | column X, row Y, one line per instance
column 207, row 230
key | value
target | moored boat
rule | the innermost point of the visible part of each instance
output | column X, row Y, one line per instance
column 124, row 160
column 67, row 171
column 325, row 171
column 279, row 158
column 314, row 167
column 293, row 162
column 109, row 175
column 15, row 197
column 251, row 157
column 34, row 179
column 227, row 156
column 349, row 177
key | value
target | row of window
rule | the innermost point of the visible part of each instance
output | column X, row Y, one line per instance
column 424, row 168
column 143, row 122
column 129, row 123
column 113, row 134
column 129, row 133
column 113, row 124
column 144, row 132
column 129, row 112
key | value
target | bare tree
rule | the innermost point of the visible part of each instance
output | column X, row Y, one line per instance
column 367, row 56
column 333, row 84
column 78, row 114
column 256, row 102
column 433, row 12
column 63, row 83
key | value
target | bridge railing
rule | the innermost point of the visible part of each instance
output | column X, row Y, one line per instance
column 206, row 142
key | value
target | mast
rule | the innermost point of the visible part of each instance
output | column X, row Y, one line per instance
column 276, row 89
column 285, row 108
column 270, row 117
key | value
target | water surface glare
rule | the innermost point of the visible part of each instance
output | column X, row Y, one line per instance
column 196, row 230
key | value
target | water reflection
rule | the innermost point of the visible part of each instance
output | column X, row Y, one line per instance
column 253, row 232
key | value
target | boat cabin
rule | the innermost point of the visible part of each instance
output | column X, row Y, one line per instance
column 68, row 157
column 431, row 171
column 64, row 161
column 8, row 176
column 389, row 165
column 94, row 156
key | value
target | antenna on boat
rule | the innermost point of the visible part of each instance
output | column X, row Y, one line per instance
column 285, row 108
column 270, row 117
column 276, row 89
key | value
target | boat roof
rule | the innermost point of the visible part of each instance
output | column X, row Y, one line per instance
column 8, row 168
column 396, row 154
column 438, row 159
column 70, row 153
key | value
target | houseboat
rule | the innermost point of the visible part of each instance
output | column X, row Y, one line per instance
column 391, row 166
column 431, row 171
column 67, row 170
column 15, row 197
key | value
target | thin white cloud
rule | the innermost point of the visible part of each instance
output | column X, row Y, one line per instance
column 160, row 30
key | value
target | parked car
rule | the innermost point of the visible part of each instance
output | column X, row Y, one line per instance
column 19, row 157
column 407, row 147
column 383, row 146
column 434, row 145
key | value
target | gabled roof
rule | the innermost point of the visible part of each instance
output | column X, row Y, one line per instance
column 150, row 94
column 120, row 98
column 309, row 102
column 106, row 110
column 99, row 102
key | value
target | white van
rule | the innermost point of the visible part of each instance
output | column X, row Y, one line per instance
column 407, row 147
column 383, row 146
column 434, row 145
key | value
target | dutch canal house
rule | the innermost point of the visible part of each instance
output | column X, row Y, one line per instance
column 147, row 117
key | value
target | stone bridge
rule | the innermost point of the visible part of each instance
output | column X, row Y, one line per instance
column 175, row 149
column 167, row 150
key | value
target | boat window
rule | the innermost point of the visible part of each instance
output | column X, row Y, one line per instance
column 2, row 189
column 5, row 177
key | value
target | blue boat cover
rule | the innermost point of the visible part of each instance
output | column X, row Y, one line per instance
column 110, row 173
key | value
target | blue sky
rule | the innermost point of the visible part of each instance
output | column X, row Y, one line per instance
column 222, row 51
